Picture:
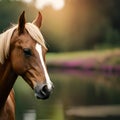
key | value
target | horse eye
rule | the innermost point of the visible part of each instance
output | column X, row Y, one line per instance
column 27, row 52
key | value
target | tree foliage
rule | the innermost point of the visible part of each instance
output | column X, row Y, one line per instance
column 82, row 24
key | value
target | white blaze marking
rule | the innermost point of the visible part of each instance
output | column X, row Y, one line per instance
column 39, row 49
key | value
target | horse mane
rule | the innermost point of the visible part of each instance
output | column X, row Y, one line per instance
column 5, row 38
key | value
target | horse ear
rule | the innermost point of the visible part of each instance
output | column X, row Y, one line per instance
column 38, row 20
column 21, row 25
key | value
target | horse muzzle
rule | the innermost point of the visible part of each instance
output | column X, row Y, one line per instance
column 42, row 91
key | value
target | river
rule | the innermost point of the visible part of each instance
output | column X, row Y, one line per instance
column 78, row 95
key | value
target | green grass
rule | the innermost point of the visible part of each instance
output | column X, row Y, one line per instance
column 107, row 56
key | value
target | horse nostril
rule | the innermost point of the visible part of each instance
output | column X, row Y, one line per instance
column 42, row 91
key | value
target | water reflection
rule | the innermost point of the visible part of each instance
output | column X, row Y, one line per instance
column 73, row 89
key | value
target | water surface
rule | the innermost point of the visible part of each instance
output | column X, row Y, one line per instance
column 78, row 95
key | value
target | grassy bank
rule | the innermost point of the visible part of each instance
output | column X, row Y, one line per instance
column 98, row 59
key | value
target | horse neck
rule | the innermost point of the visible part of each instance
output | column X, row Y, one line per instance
column 7, row 79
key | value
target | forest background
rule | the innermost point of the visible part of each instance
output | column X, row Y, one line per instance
column 80, row 25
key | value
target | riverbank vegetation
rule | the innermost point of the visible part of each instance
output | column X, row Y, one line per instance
column 108, row 59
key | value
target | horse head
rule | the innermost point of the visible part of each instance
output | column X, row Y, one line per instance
column 27, row 55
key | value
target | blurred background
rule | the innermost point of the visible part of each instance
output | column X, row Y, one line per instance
column 69, row 25
column 83, row 38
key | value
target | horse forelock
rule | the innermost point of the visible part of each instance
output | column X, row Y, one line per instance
column 5, row 38
column 35, row 34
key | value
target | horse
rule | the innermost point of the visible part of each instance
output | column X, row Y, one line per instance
column 22, row 53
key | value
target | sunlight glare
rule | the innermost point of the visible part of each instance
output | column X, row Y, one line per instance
column 56, row 4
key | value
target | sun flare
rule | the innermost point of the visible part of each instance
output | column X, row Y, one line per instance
column 40, row 4
column 56, row 4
